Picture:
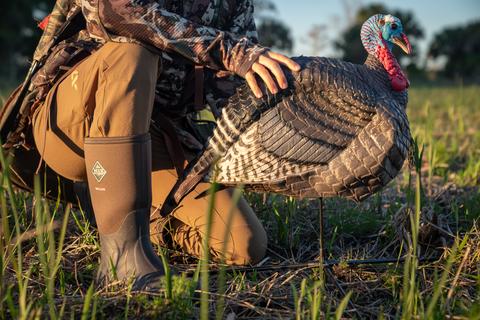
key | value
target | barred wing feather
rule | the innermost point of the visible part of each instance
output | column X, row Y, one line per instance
column 329, row 106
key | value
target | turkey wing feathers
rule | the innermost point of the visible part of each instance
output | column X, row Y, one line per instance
column 330, row 106
column 292, row 142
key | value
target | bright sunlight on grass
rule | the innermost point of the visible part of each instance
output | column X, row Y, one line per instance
column 428, row 219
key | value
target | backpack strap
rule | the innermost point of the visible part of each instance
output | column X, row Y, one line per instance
column 198, row 103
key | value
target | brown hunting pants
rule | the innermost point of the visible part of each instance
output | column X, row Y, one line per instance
column 111, row 94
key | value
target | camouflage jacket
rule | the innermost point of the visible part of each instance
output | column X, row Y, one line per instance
column 217, row 34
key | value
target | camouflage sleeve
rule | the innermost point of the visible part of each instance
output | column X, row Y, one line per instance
column 243, row 22
column 147, row 22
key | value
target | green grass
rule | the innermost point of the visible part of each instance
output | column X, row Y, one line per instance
column 49, row 252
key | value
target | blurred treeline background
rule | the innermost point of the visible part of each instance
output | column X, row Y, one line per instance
column 453, row 55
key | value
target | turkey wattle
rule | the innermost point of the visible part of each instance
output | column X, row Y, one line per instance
column 339, row 130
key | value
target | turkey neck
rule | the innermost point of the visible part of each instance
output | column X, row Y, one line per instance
column 384, row 58
column 374, row 64
column 376, row 73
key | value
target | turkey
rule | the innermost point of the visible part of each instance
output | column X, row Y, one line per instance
column 339, row 130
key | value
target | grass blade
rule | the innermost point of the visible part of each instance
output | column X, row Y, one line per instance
column 87, row 301
column 204, row 276
column 342, row 306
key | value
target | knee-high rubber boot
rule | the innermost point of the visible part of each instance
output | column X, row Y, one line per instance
column 119, row 179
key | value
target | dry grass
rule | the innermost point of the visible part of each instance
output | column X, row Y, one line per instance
column 290, row 283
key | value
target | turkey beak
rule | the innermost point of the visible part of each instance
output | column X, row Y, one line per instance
column 403, row 43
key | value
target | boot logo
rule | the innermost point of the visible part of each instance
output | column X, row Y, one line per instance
column 98, row 171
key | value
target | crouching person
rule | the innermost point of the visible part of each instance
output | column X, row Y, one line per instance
column 116, row 118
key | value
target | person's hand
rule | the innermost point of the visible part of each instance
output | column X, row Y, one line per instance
column 267, row 67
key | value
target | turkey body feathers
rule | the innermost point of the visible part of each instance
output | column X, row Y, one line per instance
column 324, row 112
column 336, row 131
